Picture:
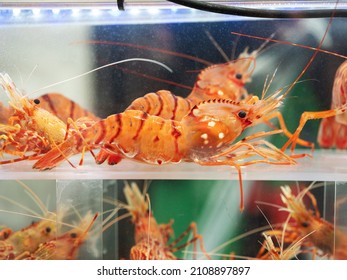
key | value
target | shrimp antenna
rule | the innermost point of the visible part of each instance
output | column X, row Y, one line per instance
column 290, row 43
column 314, row 54
column 217, row 46
column 105, row 66
column 239, row 237
column 34, row 197
column 31, row 73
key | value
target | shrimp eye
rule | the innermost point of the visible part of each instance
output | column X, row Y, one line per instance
column 48, row 229
column 238, row 76
column 73, row 235
column 305, row 224
column 242, row 114
column 37, row 101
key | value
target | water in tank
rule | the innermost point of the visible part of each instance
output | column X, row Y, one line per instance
column 218, row 176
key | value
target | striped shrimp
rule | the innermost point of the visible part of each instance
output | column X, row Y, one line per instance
column 15, row 243
column 35, row 127
column 218, row 81
column 65, row 246
column 204, row 136
column 333, row 131
column 151, row 238
column 225, row 81
column 318, row 233
column 44, row 128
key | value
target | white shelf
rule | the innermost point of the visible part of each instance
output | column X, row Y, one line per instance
column 324, row 166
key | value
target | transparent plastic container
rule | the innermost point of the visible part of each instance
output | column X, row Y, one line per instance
column 52, row 46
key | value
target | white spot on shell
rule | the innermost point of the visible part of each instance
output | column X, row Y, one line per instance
column 211, row 123
column 204, row 136
column 205, row 142
column 221, row 135
column 220, row 93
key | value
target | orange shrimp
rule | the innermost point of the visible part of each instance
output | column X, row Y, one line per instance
column 47, row 125
column 31, row 117
column 65, row 246
column 218, row 81
column 30, row 129
column 333, row 131
column 226, row 80
column 203, row 136
column 319, row 233
column 151, row 238
column 14, row 243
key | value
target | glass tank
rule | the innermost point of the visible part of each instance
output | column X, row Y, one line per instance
column 268, row 73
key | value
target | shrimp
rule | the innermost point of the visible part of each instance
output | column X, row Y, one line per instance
column 320, row 233
column 30, row 128
column 219, row 81
column 47, row 124
column 225, row 81
column 65, row 246
column 30, row 124
column 14, row 243
column 333, row 130
column 31, row 117
column 151, row 238
column 203, row 136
